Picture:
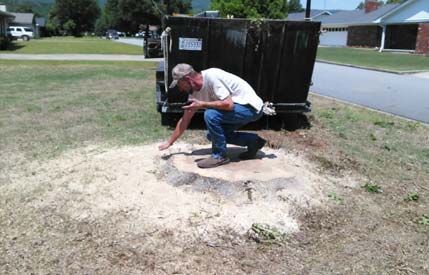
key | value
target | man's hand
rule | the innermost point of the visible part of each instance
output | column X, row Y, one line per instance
column 164, row 146
column 195, row 104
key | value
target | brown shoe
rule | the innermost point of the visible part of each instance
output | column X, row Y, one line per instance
column 252, row 150
column 212, row 162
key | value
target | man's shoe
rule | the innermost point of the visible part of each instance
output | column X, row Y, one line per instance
column 252, row 150
column 212, row 162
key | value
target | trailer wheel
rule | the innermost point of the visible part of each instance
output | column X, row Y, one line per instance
column 165, row 119
column 170, row 119
column 292, row 122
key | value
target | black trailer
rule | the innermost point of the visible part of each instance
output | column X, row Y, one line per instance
column 276, row 57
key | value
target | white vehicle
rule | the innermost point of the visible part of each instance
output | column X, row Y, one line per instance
column 25, row 33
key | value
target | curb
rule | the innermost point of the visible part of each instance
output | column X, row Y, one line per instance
column 372, row 69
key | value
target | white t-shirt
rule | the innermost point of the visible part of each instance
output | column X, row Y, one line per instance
column 219, row 84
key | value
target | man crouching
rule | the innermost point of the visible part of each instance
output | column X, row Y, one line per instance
column 230, row 103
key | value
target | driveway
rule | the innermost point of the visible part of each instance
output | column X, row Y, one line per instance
column 403, row 95
column 131, row 41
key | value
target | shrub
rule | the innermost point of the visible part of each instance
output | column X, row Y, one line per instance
column 4, row 42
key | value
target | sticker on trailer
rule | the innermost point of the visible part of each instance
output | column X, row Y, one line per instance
column 190, row 44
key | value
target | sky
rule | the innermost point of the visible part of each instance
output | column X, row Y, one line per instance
column 332, row 4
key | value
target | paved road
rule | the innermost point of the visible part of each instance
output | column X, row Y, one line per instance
column 402, row 95
column 131, row 41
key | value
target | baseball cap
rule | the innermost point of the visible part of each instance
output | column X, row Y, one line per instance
column 179, row 71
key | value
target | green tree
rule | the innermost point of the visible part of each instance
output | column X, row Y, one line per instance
column 132, row 13
column 128, row 15
column 110, row 17
column 175, row 6
column 295, row 6
column 274, row 9
column 24, row 8
column 74, row 16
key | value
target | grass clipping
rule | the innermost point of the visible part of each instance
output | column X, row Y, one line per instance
column 264, row 233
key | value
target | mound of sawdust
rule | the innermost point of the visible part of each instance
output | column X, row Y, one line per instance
column 167, row 190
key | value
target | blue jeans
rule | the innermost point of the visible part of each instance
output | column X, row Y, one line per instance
column 221, row 127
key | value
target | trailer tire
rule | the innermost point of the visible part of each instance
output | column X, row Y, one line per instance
column 292, row 122
column 165, row 119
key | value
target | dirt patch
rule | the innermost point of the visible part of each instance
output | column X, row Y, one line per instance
column 167, row 190
column 135, row 210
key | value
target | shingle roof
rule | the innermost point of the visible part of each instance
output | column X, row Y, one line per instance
column 345, row 17
column 356, row 17
column 313, row 14
column 23, row 18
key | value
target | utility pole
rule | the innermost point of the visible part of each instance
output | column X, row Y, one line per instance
column 167, row 5
column 308, row 11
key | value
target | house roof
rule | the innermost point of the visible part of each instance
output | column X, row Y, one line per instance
column 357, row 17
column 6, row 14
column 313, row 14
column 346, row 17
column 23, row 18
column 399, row 7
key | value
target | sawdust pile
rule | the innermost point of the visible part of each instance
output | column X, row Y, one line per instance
column 167, row 190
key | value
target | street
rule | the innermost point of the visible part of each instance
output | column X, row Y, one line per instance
column 402, row 95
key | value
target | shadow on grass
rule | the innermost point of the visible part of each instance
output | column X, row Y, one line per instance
column 14, row 47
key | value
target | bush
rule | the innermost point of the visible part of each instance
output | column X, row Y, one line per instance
column 4, row 42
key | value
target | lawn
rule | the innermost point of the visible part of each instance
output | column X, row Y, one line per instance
column 50, row 106
column 70, row 45
column 400, row 62
column 47, row 108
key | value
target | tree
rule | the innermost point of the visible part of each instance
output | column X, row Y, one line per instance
column 128, row 15
column 24, row 8
column 273, row 9
column 74, row 16
column 294, row 6
column 176, row 6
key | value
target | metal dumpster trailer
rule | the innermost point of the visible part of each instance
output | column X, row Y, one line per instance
column 276, row 57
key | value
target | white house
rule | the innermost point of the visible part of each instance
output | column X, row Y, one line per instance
column 412, row 15
column 389, row 27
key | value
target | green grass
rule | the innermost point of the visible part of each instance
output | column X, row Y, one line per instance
column 69, row 45
column 373, row 59
column 47, row 107
column 386, row 148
